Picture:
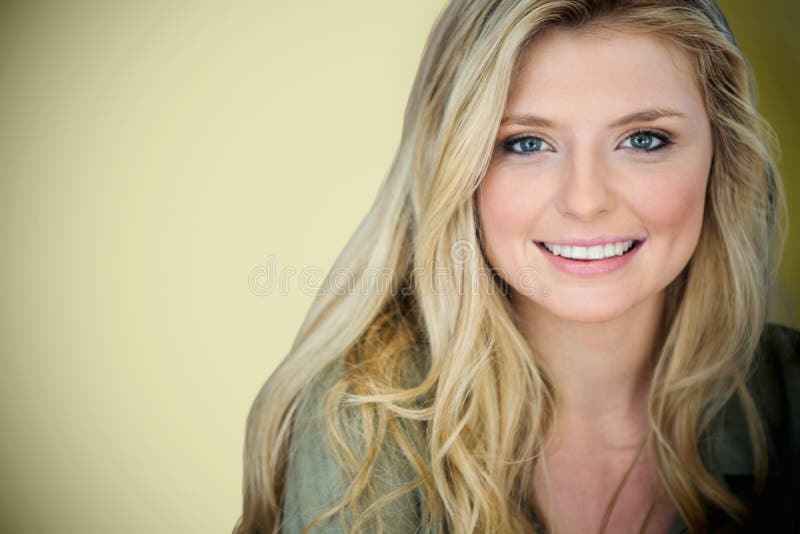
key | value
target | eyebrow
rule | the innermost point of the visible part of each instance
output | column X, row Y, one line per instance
column 647, row 115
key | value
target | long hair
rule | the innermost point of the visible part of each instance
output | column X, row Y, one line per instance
column 436, row 362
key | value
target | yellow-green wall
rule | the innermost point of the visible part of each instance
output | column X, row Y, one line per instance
column 767, row 33
column 155, row 159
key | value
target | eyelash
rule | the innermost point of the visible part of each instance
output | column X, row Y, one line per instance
column 665, row 139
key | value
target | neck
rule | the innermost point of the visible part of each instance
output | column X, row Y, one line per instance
column 601, row 370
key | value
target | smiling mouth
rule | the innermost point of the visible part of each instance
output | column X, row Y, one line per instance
column 591, row 253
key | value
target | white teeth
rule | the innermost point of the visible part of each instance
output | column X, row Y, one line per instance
column 595, row 252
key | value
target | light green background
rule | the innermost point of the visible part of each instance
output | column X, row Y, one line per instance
column 155, row 159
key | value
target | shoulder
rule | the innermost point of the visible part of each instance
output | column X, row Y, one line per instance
column 312, row 478
column 316, row 482
column 775, row 384
column 783, row 344
column 775, row 380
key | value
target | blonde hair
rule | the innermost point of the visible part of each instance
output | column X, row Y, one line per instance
column 423, row 366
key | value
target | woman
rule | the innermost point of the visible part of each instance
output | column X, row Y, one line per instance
column 554, row 315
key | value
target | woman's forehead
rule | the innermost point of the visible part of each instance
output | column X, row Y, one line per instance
column 580, row 72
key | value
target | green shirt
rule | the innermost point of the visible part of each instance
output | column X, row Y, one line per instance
column 315, row 482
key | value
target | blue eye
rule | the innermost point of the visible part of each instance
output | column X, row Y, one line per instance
column 640, row 140
column 524, row 144
column 647, row 141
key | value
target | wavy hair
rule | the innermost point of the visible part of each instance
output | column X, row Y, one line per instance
column 423, row 366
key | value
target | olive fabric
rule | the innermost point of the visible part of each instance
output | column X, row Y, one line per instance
column 775, row 386
column 315, row 482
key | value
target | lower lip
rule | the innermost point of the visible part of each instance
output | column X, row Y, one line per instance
column 591, row 267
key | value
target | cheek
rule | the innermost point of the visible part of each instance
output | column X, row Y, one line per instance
column 508, row 208
column 507, row 215
column 672, row 207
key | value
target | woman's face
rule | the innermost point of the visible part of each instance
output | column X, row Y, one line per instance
column 605, row 144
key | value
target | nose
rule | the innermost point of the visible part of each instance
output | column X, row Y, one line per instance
column 584, row 192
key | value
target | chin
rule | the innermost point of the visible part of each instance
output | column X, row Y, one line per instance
column 585, row 310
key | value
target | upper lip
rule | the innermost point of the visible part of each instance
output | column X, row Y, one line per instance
column 588, row 242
